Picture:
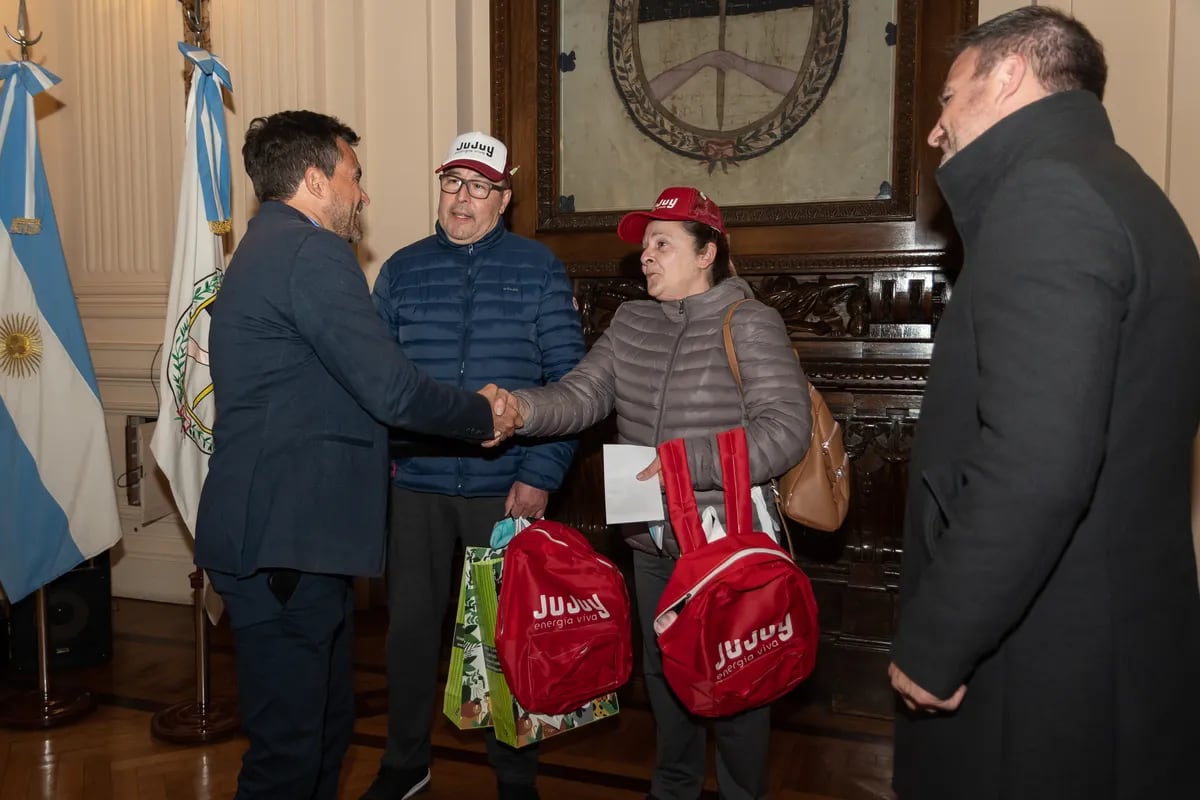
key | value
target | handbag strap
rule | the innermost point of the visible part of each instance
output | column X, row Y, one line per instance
column 731, row 356
column 730, row 351
column 736, row 475
column 681, row 497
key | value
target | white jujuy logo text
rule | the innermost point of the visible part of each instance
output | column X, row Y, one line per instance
column 668, row 202
column 736, row 653
column 559, row 611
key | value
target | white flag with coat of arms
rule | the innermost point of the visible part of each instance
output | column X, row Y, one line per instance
column 183, row 438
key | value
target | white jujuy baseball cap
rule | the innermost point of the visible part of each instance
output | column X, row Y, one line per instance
column 476, row 150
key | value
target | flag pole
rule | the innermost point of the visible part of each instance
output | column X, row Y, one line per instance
column 43, row 707
column 206, row 719
column 22, row 38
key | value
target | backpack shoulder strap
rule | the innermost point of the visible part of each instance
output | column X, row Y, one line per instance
column 735, row 477
column 681, row 498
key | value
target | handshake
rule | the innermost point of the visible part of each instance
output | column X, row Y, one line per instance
column 508, row 412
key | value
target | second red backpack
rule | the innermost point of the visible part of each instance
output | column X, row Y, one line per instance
column 737, row 624
column 563, row 635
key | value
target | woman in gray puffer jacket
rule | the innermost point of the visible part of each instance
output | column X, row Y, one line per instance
column 661, row 366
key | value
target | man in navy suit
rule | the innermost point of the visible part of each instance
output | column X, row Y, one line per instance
column 306, row 379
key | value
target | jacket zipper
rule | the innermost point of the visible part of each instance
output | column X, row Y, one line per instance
column 678, row 605
column 600, row 561
column 462, row 342
column 662, row 401
column 667, row 378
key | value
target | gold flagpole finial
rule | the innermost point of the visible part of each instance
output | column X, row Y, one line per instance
column 22, row 37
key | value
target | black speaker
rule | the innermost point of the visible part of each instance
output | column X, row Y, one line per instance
column 78, row 620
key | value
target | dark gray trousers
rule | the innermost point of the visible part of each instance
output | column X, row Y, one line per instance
column 424, row 530
column 743, row 741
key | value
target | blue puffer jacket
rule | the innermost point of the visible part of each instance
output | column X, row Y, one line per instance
column 497, row 311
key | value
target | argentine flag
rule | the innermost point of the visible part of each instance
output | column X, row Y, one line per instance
column 58, row 502
column 183, row 438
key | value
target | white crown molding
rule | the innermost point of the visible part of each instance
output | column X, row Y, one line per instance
column 124, row 396
column 125, row 360
column 122, row 300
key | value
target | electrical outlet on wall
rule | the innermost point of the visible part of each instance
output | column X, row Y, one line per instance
column 145, row 485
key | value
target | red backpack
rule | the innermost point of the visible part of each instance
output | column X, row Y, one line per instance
column 563, row 635
column 737, row 624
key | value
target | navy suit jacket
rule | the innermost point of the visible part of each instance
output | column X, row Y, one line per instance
column 306, row 379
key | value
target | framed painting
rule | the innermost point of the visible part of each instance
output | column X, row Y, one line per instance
column 787, row 112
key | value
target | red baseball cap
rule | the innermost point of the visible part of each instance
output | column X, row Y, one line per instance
column 675, row 203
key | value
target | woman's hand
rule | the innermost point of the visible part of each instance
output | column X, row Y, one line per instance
column 649, row 472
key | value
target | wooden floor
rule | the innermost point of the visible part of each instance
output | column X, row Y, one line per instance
column 111, row 755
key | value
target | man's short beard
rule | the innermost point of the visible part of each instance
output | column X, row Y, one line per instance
column 355, row 234
column 344, row 221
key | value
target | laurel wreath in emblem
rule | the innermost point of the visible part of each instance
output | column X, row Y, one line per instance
column 20, row 345
column 199, row 430
column 715, row 147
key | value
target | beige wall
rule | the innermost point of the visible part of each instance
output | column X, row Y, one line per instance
column 1152, row 96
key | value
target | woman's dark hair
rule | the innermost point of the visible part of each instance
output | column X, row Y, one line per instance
column 722, row 267
column 279, row 148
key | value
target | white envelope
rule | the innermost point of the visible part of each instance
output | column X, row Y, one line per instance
column 626, row 499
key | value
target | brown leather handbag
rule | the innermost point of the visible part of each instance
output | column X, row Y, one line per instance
column 815, row 492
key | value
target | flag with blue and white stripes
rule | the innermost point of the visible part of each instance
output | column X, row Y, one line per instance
column 58, row 502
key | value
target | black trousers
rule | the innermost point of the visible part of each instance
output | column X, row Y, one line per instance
column 743, row 740
column 295, row 671
column 424, row 530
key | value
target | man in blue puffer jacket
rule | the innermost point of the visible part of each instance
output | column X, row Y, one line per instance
column 471, row 305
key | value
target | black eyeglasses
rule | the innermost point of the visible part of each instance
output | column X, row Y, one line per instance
column 478, row 189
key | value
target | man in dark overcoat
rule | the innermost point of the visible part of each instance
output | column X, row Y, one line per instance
column 1049, row 635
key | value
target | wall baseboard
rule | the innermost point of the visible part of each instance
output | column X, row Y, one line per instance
column 154, row 562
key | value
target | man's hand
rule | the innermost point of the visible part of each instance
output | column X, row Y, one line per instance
column 526, row 501
column 505, row 416
column 917, row 698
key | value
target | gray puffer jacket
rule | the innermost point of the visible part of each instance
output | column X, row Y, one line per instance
column 662, row 367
